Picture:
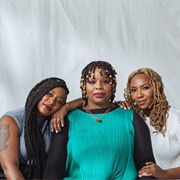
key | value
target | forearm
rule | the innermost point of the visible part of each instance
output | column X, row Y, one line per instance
column 74, row 104
column 173, row 173
column 13, row 173
column 56, row 162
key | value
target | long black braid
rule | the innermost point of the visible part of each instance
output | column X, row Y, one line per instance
column 33, row 138
column 89, row 71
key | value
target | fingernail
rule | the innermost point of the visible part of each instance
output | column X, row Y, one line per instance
column 56, row 131
column 128, row 107
column 52, row 130
column 62, row 125
column 124, row 108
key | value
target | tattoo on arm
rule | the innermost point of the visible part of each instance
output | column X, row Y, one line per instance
column 4, row 136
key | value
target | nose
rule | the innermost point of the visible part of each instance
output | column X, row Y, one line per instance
column 139, row 94
column 99, row 85
column 51, row 101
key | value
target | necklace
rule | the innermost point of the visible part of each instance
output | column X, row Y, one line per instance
column 99, row 119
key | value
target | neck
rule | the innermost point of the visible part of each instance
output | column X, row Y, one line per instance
column 147, row 111
column 98, row 106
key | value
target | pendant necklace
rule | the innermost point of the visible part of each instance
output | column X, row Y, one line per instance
column 99, row 119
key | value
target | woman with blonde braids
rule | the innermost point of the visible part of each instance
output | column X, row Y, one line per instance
column 99, row 140
column 145, row 94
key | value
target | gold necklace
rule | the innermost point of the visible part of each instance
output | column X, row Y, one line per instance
column 99, row 119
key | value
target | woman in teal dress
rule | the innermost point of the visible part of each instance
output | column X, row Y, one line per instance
column 99, row 139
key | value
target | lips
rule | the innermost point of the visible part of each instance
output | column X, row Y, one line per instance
column 99, row 95
column 47, row 107
column 141, row 103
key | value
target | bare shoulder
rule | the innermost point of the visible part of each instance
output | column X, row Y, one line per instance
column 7, row 120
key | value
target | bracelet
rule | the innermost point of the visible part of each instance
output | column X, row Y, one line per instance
column 67, row 105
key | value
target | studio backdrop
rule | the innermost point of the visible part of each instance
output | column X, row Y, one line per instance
column 40, row 39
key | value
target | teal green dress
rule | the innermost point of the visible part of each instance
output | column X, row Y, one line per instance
column 101, row 150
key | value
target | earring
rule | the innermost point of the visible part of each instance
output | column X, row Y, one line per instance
column 84, row 97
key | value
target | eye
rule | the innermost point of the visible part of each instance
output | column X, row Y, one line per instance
column 50, row 94
column 132, row 90
column 60, row 101
column 146, row 87
column 91, row 82
column 106, row 81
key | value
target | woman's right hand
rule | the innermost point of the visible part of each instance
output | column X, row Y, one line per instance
column 57, row 120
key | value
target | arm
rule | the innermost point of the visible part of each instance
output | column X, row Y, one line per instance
column 158, row 172
column 9, row 148
column 56, row 162
column 57, row 120
column 143, row 149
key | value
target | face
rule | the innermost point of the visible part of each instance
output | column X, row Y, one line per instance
column 141, row 91
column 99, row 90
column 51, row 102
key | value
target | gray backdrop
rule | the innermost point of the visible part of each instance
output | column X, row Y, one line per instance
column 39, row 39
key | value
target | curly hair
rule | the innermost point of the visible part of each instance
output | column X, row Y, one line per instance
column 160, row 105
column 89, row 71
column 33, row 137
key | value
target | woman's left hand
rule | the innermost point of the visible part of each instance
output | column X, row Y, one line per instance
column 154, row 170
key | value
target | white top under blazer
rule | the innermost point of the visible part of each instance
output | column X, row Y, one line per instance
column 167, row 149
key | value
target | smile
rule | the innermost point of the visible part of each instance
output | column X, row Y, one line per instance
column 47, row 107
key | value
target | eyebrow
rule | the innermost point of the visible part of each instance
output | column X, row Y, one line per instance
column 143, row 85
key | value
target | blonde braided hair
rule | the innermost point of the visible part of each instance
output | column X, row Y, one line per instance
column 160, row 105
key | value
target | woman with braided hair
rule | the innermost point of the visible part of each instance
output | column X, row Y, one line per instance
column 99, row 140
column 25, row 132
column 144, row 93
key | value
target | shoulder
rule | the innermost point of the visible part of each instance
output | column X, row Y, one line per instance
column 174, row 116
column 75, row 111
column 122, row 110
column 138, row 121
column 15, row 112
column 174, row 111
column 15, row 116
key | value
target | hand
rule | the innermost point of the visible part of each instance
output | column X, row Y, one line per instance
column 154, row 170
column 57, row 120
column 123, row 104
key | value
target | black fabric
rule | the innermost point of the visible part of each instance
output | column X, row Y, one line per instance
column 143, row 148
column 56, row 165
column 2, row 176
